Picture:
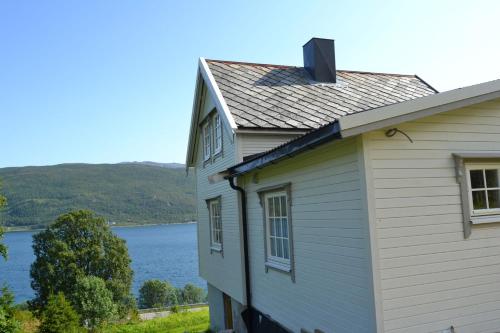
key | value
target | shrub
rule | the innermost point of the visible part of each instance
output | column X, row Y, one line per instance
column 58, row 316
column 93, row 302
column 156, row 293
column 192, row 294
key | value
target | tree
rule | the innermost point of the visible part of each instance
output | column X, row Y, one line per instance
column 192, row 294
column 77, row 245
column 3, row 248
column 8, row 324
column 157, row 293
column 58, row 316
column 93, row 301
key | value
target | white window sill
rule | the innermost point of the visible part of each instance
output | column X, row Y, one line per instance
column 279, row 266
column 216, row 248
column 478, row 219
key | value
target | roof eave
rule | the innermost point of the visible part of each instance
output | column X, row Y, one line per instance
column 219, row 101
column 203, row 72
column 194, row 121
column 417, row 108
column 292, row 148
column 362, row 122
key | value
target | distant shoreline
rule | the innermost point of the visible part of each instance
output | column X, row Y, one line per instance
column 21, row 229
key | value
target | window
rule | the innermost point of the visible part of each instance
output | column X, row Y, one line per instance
column 277, row 228
column 217, row 134
column 207, row 141
column 215, row 224
column 484, row 188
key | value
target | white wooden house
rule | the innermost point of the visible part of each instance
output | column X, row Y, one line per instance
column 342, row 201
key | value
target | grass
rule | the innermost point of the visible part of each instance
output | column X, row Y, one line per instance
column 192, row 322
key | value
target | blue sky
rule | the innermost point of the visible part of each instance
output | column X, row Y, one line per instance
column 110, row 81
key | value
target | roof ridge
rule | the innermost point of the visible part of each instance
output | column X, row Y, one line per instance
column 376, row 73
column 249, row 63
column 292, row 66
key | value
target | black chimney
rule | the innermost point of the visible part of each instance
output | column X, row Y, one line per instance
column 319, row 59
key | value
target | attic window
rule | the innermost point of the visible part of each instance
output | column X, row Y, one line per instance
column 207, row 141
column 217, row 134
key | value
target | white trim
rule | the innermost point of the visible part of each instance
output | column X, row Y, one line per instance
column 485, row 219
column 461, row 159
column 417, row 108
column 215, row 245
column 275, row 258
column 206, row 134
column 219, row 101
column 217, row 123
column 481, row 214
column 278, row 265
column 194, row 121
column 366, row 170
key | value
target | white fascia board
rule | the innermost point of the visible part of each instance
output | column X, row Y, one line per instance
column 219, row 101
column 417, row 108
column 194, row 122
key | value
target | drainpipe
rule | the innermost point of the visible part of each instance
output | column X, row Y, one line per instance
column 245, row 246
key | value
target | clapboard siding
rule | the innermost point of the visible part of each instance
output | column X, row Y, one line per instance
column 224, row 272
column 333, row 281
column 430, row 276
column 257, row 143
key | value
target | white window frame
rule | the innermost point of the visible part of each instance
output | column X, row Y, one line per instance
column 276, row 262
column 207, row 141
column 481, row 166
column 217, row 134
column 215, row 221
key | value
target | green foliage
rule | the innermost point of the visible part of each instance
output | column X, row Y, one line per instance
column 8, row 322
column 58, row 316
column 156, row 294
column 192, row 294
column 3, row 248
column 192, row 322
column 77, row 245
column 93, row 301
column 122, row 193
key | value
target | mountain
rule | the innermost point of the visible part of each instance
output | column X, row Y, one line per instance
column 124, row 193
column 163, row 165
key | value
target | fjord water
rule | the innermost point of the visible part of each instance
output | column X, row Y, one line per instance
column 166, row 252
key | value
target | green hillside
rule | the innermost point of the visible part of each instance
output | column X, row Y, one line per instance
column 125, row 193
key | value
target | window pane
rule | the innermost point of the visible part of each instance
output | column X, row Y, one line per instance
column 476, row 179
column 277, row 224
column 283, row 206
column 277, row 206
column 273, row 246
column 286, row 252
column 271, row 227
column 492, row 178
column 479, row 199
column 270, row 203
column 284, row 222
column 494, row 198
column 279, row 248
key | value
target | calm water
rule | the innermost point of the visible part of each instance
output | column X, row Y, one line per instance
column 167, row 252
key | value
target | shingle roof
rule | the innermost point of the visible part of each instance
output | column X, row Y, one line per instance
column 286, row 97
